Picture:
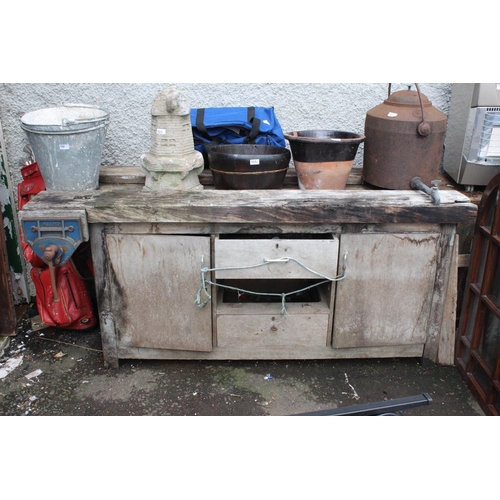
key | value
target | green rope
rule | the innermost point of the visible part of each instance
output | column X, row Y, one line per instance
column 205, row 282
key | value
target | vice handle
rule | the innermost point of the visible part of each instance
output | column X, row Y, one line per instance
column 49, row 255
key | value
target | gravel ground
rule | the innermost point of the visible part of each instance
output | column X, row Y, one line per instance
column 56, row 373
column 61, row 373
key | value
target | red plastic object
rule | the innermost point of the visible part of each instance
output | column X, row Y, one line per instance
column 31, row 184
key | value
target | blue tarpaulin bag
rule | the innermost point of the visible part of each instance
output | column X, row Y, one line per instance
column 237, row 125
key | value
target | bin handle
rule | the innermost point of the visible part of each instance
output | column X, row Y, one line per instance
column 64, row 132
column 66, row 122
column 423, row 129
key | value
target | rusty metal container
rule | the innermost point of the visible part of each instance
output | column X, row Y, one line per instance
column 404, row 139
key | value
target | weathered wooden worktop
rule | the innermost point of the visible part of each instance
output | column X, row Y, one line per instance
column 131, row 204
column 398, row 297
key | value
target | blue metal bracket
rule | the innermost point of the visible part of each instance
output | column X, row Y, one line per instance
column 66, row 232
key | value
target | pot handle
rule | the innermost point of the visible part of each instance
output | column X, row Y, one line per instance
column 423, row 129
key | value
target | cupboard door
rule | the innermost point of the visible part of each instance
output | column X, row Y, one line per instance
column 386, row 296
column 154, row 280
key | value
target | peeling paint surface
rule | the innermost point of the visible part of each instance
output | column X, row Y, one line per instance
column 9, row 224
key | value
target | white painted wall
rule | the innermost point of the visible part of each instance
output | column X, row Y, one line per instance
column 298, row 106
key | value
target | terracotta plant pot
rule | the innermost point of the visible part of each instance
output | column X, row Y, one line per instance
column 323, row 158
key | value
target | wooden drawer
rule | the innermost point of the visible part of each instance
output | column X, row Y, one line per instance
column 304, row 326
column 319, row 255
column 257, row 324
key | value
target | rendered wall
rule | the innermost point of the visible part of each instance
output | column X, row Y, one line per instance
column 299, row 106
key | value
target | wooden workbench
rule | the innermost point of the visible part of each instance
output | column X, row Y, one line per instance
column 155, row 253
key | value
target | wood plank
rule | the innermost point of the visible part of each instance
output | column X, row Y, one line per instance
column 446, row 257
column 213, row 291
column 446, row 347
column 135, row 175
column 275, row 353
column 414, row 227
column 463, row 260
column 103, row 285
column 114, row 174
column 216, row 228
column 131, row 204
column 121, row 175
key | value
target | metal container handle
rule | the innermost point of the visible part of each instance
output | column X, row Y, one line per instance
column 66, row 122
column 423, row 129
column 65, row 131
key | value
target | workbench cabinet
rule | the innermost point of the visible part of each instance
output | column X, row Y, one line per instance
column 376, row 272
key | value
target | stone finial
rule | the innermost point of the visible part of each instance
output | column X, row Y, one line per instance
column 172, row 162
column 170, row 101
